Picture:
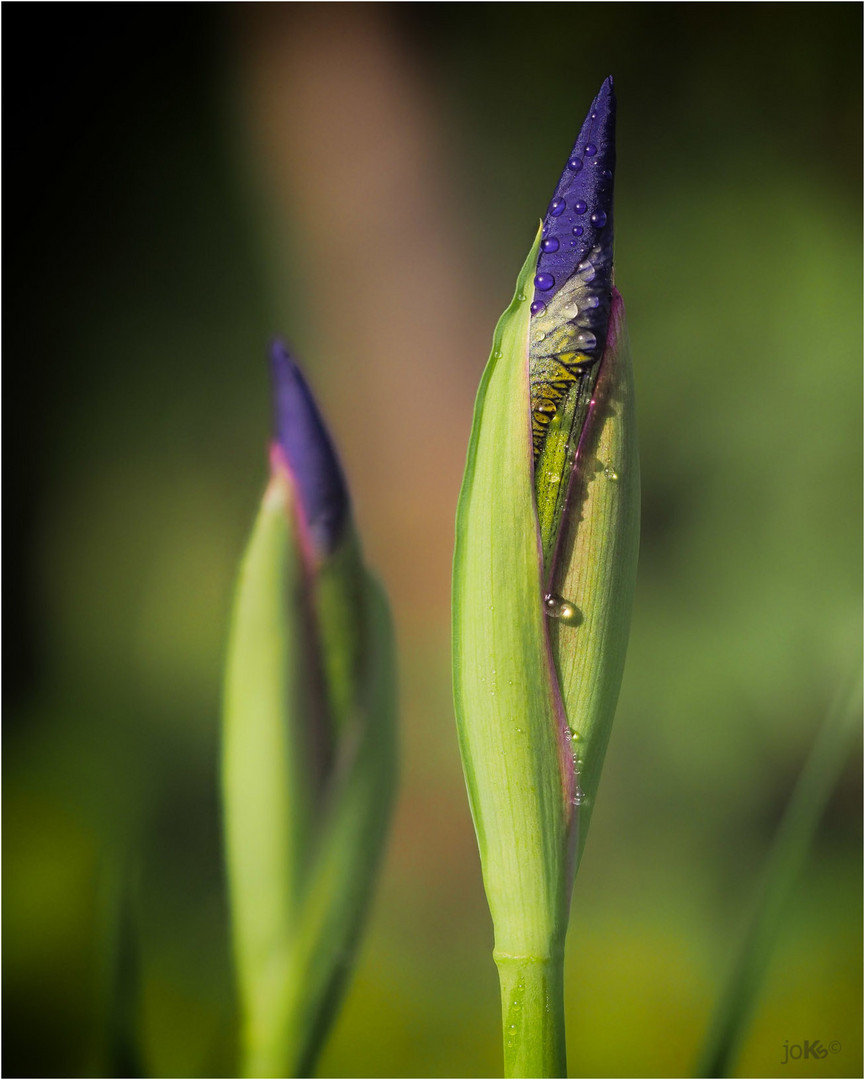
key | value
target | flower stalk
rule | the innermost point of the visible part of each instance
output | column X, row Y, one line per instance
column 544, row 568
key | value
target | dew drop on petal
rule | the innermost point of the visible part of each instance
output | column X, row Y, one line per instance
column 558, row 608
column 580, row 207
column 577, row 230
column 550, row 244
column 586, row 271
column 591, row 302
column 570, row 311
column 575, row 164
column 598, row 219
column 538, row 307
column 586, row 341
column 544, row 281
column 591, row 150
column 557, row 207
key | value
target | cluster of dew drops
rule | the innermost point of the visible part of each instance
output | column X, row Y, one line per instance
column 573, row 737
column 545, row 281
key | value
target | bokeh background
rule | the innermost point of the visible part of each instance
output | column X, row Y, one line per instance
column 182, row 181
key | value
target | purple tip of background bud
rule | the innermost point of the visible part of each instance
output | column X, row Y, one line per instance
column 302, row 437
column 585, row 189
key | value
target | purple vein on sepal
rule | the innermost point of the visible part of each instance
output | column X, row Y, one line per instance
column 302, row 438
column 579, row 217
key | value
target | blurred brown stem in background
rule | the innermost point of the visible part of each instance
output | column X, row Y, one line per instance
column 350, row 150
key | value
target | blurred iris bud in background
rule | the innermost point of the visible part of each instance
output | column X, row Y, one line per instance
column 309, row 746
column 544, row 570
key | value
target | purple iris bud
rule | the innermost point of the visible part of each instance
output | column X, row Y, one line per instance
column 585, row 191
column 303, row 444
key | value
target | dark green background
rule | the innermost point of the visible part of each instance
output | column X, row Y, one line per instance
column 147, row 261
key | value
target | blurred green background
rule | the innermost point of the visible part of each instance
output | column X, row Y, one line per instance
column 181, row 182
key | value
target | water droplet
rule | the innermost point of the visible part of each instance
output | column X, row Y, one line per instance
column 610, row 473
column 546, row 229
column 557, row 206
column 587, row 341
column 573, row 243
column 591, row 150
column 577, row 230
column 575, row 735
column 538, row 307
column 550, row 244
column 607, row 174
column 559, row 608
column 591, row 302
column 521, row 297
column 586, row 271
column 545, row 282
column 570, row 311
column 497, row 355
column 579, row 798
column 580, row 207
column 540, row 336
column 598, row 219
column 575, row 164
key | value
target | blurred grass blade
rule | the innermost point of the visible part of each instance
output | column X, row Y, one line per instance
column 786, row 861
column 309, row 758
column 121, row 967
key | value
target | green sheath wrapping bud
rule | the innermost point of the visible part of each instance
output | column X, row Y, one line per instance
column 534, row 695
column 308, row 763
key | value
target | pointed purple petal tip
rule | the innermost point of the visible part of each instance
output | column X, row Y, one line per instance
column 302, row 438
column 578, row 227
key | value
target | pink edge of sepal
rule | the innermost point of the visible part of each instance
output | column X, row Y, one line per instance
column 281, row 475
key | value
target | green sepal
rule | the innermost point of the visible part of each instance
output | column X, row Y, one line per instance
column 308, row 769
column 596, row 565
column 509, row 717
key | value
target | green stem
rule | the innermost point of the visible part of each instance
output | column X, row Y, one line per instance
column 533, row 1014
